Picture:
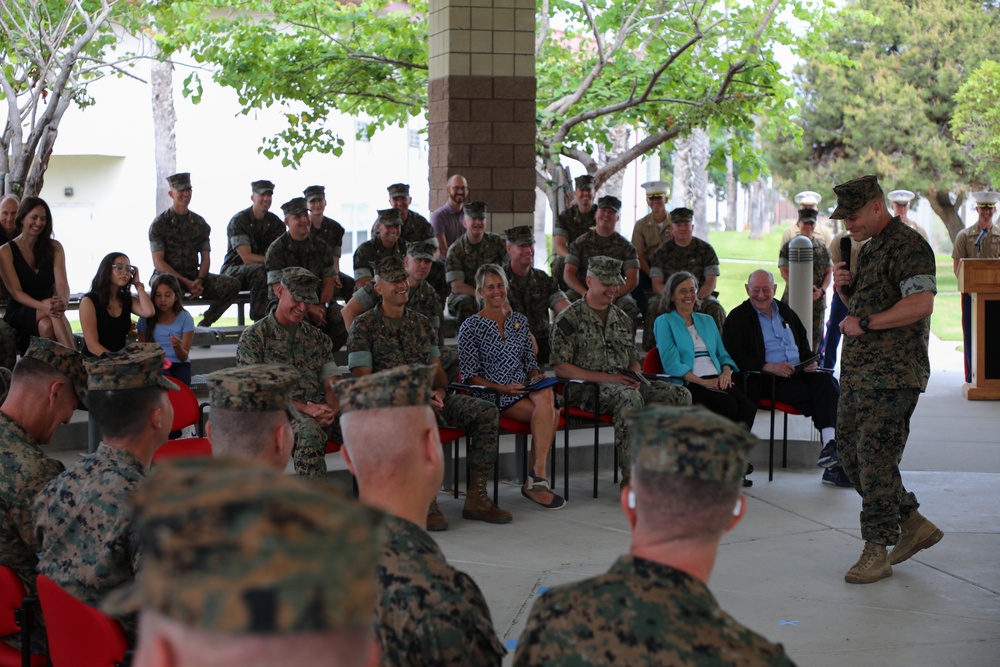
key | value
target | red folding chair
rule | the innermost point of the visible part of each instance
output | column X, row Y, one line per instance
column 16, row 617
column 79, row 635
column 187, row 411
column 183, row 448
column 771, row 406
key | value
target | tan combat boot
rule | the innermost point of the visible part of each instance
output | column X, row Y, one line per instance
column 917, row 533
column 478, row 506
column 436, row 521
column 872, row 566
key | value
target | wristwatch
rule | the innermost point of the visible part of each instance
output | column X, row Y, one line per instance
column 863, row 323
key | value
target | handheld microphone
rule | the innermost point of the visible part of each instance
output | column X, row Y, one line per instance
column 845, row 251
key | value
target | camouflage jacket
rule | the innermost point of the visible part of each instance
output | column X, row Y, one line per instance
column 697, row 257
column 416, row 228
column 305, row 348
column 423, row 299
column 821, row 262
column 245, row 229
column 593, row 244
column 465, row 258
column 639, row 613
column 381, row 342
column 82, row 524
column 533, row 295
column 429, row 613
column 311, row 253
column 894, row 264
column 332, row 233
column 24, row 471
column 572, row 224
column 181, row 238
column 579, row 337
column 371, row 252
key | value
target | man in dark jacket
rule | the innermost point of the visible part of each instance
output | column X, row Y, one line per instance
column 762, row 334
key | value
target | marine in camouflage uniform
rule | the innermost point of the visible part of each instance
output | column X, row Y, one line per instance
column 24, row 468
column 236, row 552
column 465, row 257
column 306, row 349
column 82, row 531
column 822, row 270
column 428, row 612
column 8, row 346
column 182, row 237
column 698, row 258
column 312, row 254
column 646, row 610
column 374, row 250
column 883, row 370
column 573, row 223
column 581, row 338
column 246, row 230
column 533, row 293
column 331, row 231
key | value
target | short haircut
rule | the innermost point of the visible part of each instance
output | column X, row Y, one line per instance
column 677, row 507
column 121, row 413
column 243, row 434
column 29, row 369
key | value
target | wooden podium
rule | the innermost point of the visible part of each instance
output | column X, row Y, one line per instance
column 981, row 279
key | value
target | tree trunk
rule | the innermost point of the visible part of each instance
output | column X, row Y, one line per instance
column 164, row 124
column 948, row 212
column 698, row 182
column 758, row 205
column 619, row 136
column 732, row 195
column 682, row 167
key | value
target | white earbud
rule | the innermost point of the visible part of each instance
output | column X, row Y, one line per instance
column 739, row 504
column 631, row 499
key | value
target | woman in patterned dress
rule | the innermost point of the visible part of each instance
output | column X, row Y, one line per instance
column 496, row 350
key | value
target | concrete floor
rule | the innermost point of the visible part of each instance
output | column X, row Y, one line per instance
column 780, row 571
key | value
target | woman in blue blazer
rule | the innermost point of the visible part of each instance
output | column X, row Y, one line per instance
column 691, row 348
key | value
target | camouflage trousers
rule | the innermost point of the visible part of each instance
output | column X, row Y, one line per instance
column 335, row 328
column 8, row 347
column 481, row 420
column 619, row 400
column 252, row 277
column 309, row 450
column 462, row 307
column 709, row 306
column 223, row 290
column 872, row 428
column 449, row 361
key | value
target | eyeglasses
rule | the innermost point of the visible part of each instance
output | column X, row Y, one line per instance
column 123, row 268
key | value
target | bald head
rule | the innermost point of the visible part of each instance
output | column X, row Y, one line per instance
column 760, row 288
column 8, row 214
column 457, row 189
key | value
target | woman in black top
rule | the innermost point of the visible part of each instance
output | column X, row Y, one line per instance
column 106, row 310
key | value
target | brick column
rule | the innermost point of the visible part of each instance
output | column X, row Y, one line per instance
column 482, row 104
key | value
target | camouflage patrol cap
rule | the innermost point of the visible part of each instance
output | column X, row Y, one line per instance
column 521, row 235
column 421, row 249
column 610, row 201
column 584, row 182
column 681, row 215
column 135, row 366
column 852, row 195
column 606, row 269
column 62, row 360
column 314, row 192
column 808, row 216
column 255, row 388
column 399, row 387
column 398, row 190
column 475, row 210
column 262, row 187
column 391, row 269
column 296, row 206
column 689, row 441
column 180, row 181
column 232, row 547
column 389, row 217
column 301, row 284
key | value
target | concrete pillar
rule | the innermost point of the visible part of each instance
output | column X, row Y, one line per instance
column 482, row 104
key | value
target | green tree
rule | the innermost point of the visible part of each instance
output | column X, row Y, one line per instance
column 50, row 51
column 661, row 66
column 878, row 95
column 976, row 122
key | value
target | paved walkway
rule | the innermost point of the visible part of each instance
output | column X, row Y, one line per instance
column 780, row 571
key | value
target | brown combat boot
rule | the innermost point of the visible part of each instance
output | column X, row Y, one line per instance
column 917, row 533
column 478, row 506
column 872, row 566
column 436, row 521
